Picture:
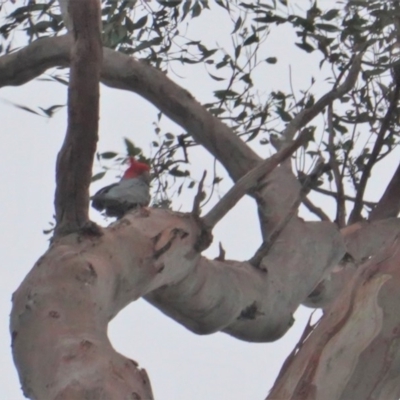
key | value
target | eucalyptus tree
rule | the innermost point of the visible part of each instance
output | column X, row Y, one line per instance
column 329, row 144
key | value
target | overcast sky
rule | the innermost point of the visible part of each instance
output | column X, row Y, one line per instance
column 180, row 364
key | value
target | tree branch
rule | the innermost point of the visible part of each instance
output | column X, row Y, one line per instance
column 75, row 159
column 346, row 197
column 249, row 181
column 355, row 215
column 124, row 72
column 315, row 210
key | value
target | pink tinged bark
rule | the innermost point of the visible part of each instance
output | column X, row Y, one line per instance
column 353, row 353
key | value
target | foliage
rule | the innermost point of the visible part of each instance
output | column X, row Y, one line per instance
column 158, row 32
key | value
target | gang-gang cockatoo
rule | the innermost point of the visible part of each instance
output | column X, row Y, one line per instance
column 132, row 191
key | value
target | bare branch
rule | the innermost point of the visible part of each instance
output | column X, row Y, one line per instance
column 340, row 200
column 75, row 159
column 346, row 197
column 249, row 181
column 355, row 215
column 315, row 210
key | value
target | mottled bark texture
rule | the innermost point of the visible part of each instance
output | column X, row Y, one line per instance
column 61, row 310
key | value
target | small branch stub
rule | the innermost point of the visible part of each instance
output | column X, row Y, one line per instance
column 200, row 195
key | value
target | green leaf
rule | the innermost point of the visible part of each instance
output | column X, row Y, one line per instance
column 269, row 18
column 196, row 10
column 170, row 3
column 305, row 46
column 330, row 15
column 98, row 176
column 253, row 135
column 216, row 78
column 238, row 23
column 185, row 60
column 222, row 94
column 140, row 23
column 131, row 149
column 221, row 3
column 108, row 155
column 247, row 78
column 186, row 8
column 238, row 48
column 178, row 173
column 327, row 27
column 251, row 39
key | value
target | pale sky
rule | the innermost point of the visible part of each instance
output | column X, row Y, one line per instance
column 180, row 365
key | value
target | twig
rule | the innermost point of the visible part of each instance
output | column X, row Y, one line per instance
column 182, row 143
column 341, row 203
column 346, row 197
column 250, row 180
column 75, row 159
column 200, row 195
column 315, row 210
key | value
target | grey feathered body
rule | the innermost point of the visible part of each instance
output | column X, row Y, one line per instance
column 121, row 197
